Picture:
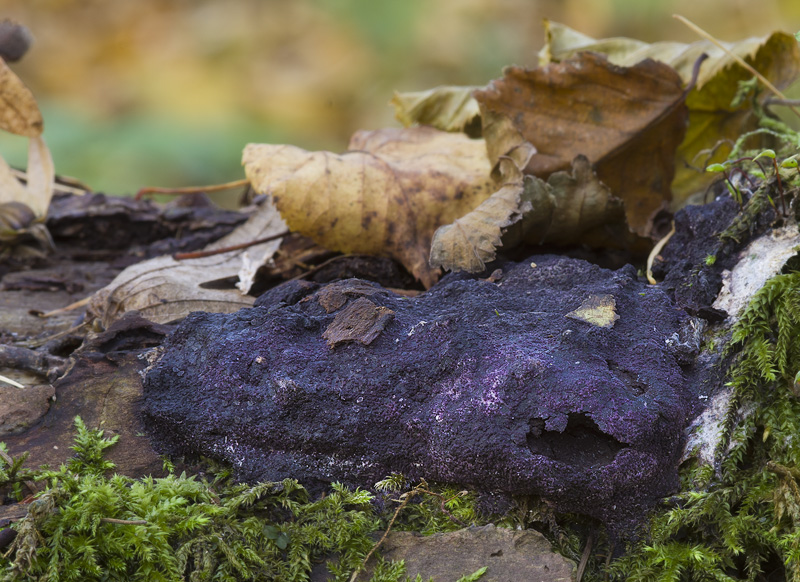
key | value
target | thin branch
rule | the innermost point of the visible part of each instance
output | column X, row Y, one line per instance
column 211, row 253
column 191, row 189
column 654, row 253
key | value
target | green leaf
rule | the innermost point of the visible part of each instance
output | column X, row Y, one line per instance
column 766, row 154
column 477, row 574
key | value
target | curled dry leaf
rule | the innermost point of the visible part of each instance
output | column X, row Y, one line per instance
column 628, row 121
column 386, row 196
column 19, row 113
column 445, row 108
column 569, row 207
column 41, row 179
column 713, row 118
column 166, row 290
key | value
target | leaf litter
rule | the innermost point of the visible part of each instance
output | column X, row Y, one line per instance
column 586, row 149
column 164, row 289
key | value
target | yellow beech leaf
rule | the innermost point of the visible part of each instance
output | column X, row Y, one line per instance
column 445, row 108
column 385, row 196
column 713, row 119
column 599, row 310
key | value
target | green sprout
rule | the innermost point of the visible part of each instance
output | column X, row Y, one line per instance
column 734, row 192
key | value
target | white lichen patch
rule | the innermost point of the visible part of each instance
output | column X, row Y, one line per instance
column 761, row 260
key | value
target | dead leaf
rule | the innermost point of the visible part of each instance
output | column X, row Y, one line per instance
column 625, row 120
column 166, row 290
column 599, row 310
column 41, row 176
column 445, row 108
column 19, row 113
column 361, row 321
column 41, row 179
column 386, row 196
column 712, row 117
column 570, row 207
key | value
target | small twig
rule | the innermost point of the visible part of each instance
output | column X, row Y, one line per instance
column 695, row 72
column 26, row 359
column 407, row 498
column 35, row 343
column 11, row 382
column 124, row 521
column 654, row 253
column 81, row 303
column 60, row 185
column 785, row 102
column 587, row 551
column 421, row 488
column 608, row 560
column 780, row 185
column 737, row 58
column 220, row 251
column 191, row 189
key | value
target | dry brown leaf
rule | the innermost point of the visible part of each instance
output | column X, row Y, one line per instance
column 445, row 108
column 570, row 207
column 713, row 119
column 386, row 196
column 19, row 113
column 166, row 290
column 628, row 121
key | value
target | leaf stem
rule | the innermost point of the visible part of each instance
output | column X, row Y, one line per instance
column 211, row 253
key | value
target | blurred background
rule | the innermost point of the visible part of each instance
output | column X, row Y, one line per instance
column 167, row 92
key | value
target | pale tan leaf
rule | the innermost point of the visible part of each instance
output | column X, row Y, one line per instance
column 386, row 196
column 41, row 176
column 11, row 189
column 19, row 113
column 599, row 310
column 166, row 290
column 445, row 108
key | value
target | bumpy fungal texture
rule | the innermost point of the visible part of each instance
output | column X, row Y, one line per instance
column 480, row 383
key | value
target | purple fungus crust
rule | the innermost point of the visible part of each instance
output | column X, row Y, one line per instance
column 477, row 382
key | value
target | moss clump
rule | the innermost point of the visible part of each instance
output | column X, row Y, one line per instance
column 741, row 520
column 87, row 525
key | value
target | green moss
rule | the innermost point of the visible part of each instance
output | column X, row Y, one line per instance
column 90, row 525
column 741, row 521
